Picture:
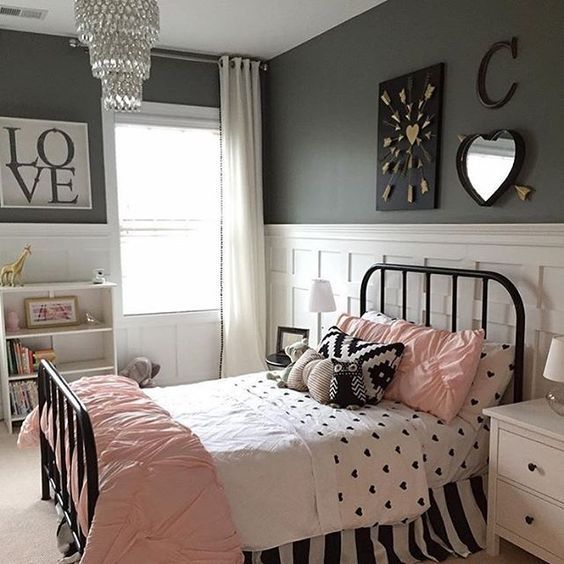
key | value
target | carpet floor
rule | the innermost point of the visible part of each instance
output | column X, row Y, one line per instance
column 28, row 525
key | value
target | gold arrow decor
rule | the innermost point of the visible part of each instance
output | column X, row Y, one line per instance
column 523, row 192
column 409, row 130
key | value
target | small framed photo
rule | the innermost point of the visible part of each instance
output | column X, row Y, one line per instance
column 51, row 312
column 288, row 336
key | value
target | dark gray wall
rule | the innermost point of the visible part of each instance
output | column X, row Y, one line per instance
column 43, row 78
column 323, row 109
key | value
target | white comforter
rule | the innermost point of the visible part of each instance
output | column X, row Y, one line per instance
column 293, row 468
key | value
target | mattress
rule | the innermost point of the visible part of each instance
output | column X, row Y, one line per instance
column 294, row 469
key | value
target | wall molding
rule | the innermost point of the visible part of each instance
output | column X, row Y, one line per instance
column 50, row 230
column 545, row 234
column 531, row 255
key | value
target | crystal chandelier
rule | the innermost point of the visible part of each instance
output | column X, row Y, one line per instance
column 119, row 35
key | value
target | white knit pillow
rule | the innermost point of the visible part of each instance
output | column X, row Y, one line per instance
column 378, row 317
column 296, row 376
column 317, row 377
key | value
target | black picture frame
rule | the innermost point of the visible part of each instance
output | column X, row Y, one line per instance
column 45, row 171
column 393, row 190
column 297, row 334
column 511, row 178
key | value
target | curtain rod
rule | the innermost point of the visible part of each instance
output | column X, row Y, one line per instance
column 177, row 55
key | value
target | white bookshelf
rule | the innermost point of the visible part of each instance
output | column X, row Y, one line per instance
column 82, row 350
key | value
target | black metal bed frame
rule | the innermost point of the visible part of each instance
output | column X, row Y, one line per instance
column 456, row 273
column 72, row 428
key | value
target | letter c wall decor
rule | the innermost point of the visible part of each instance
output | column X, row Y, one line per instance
column 483, row 71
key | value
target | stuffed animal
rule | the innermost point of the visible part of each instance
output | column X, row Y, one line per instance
column 347, row 385
column 293, row 351
column 11, row 274
column 142, row 370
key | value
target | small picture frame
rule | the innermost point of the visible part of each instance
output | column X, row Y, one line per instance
column 288, row 336
column 51, row 312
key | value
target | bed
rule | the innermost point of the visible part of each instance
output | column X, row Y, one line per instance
column 296, row 492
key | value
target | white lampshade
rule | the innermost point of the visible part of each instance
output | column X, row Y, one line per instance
column 321, row 297
column 554, row 367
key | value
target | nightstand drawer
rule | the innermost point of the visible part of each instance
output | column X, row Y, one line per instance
column 533, row 464
column 530, row 517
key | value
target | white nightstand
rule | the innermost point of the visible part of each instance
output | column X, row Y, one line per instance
column 526, row 479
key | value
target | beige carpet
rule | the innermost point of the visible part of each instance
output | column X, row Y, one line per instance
column 27, row 524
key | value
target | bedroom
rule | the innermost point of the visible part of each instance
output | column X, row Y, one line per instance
column 277, row 129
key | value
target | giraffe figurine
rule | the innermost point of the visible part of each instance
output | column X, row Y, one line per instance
column 11, row 273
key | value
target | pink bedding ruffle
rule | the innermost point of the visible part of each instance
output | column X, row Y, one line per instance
column 160, row 498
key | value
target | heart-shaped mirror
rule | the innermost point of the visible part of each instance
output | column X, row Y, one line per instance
column 488, row 164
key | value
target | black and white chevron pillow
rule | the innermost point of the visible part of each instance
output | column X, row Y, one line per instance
column 378, row 361
column 347, row 384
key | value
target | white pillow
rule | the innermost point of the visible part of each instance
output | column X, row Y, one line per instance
column 317, row 377
column 378, row 317
column 296, row 375
column 493, row 375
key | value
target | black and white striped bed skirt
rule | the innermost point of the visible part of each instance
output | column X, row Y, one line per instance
column 455, row 524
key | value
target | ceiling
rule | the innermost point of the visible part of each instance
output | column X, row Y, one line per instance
column 259, row 28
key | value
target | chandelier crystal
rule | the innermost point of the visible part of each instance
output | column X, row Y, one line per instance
column 119, row 35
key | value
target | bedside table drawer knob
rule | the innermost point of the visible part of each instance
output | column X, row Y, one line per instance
column 529, row 520
column 532, row 467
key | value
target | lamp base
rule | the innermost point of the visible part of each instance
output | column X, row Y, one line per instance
column 555, row 399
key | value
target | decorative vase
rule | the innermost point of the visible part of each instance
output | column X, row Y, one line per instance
column 555, row 399
column 12, row 321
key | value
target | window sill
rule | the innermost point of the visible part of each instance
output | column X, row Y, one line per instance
column 168, row 319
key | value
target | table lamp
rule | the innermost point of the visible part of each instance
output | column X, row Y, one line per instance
column 321, row 299
column 554, row 370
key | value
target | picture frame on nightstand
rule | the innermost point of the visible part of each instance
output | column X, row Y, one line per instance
column 286, row 336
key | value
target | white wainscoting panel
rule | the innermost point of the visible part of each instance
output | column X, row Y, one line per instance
column 531, row 255
column 186, row 346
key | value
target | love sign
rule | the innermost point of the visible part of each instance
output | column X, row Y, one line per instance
column 44, row 164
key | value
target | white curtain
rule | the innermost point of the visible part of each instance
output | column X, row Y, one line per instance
column 244, row 262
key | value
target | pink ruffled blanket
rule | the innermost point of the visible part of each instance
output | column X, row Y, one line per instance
column 160, row 498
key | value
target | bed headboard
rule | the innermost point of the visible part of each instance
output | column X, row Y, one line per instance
column 455, row 274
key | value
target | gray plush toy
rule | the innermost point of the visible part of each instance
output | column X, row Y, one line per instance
column 142, row 370
column 294, row 351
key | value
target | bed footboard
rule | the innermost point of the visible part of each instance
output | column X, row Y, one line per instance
column 69, row 437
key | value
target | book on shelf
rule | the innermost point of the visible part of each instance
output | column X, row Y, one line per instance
column 23, row 361
column 23, row 397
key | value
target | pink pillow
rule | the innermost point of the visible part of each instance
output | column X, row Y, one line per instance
column 437, row 368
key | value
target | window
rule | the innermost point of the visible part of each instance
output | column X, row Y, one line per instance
column 168, row 182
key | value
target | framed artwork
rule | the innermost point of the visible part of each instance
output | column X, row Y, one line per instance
column 51, row 312
column 44, row 165
column 409, row 130
column 288, row 336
